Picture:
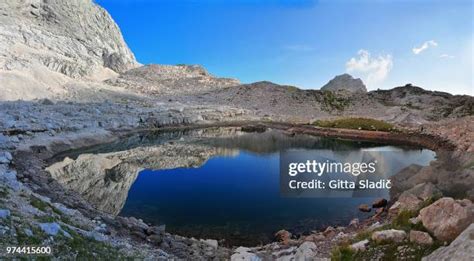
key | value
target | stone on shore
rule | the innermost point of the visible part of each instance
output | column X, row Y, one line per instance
column 379, row 203
column 420, row 237
column 447, row 218
column 365, row 208
column 388, row 236
column 283, row 236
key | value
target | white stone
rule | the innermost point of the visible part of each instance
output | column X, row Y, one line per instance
column 391, row 235
column 305, row 251
column 211, row 242
column 360, row 246
column 51, row 229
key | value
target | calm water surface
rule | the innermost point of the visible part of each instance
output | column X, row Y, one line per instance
column 236, row 198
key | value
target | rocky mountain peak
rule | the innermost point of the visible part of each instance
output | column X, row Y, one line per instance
column 46, row 43
column 345, row 82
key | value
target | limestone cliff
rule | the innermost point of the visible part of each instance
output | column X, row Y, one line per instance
column 44, row 43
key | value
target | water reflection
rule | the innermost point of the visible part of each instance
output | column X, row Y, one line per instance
column 215, row 182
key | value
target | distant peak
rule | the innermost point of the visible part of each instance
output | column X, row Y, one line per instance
column 345, row 82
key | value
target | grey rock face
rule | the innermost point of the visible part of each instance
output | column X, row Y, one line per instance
column 461, row 249
column 70, row 37
column 345, row 82
column 155, row 79
column 45, row 44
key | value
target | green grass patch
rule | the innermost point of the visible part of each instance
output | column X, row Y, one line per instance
column 356, row 124
column 83, row 248
column 389, row 252
column 37, row 203
column 469, row 165
column 342, row 253
column 3, row 193
column 333, row 102
column 402, row 220
column 362, row 235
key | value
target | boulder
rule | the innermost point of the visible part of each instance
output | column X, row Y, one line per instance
column 379, row 203
column 461, row 249
column 329, row 232
column 283, row 236
column 155, row 239
column 406, row 201
column 360, row 246
column 365, row 208
column 425, row 191
column 211, row 242
column 354, row 223
column 306, row 251
column 420, row 237
column 447, row 218
column 387, row 236
column 243, row 253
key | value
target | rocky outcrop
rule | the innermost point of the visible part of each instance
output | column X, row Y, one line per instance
column 170, row 80
column 43, row 44
column 413, row 198
column 345, row 82
column 447, row 218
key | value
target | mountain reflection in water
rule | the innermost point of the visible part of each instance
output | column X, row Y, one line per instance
column 215, row 183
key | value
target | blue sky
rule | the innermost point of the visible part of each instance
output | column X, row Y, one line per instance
column 306, row 43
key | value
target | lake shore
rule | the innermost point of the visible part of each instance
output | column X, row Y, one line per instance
column 31, row 175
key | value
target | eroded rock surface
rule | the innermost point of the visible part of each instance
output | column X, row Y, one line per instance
column 46, row 43
column 447, row 218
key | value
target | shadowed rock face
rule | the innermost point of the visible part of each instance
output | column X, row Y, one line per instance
column 345, row 82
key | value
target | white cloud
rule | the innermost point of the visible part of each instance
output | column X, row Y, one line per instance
column 372, row 70
column 446, row 56
column 424, row 46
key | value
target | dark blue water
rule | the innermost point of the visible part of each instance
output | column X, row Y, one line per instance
column 236, row 199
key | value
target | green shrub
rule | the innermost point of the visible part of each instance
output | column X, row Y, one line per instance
column 37, row 203
column 342, row 253
column 332, row 102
